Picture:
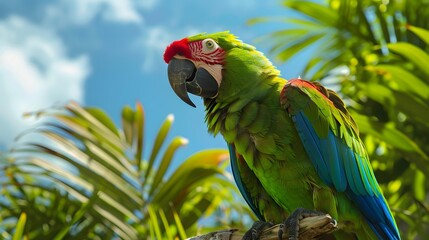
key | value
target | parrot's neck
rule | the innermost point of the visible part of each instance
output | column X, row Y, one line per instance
column 265, row 91
column 248, row 76
column 244, row 73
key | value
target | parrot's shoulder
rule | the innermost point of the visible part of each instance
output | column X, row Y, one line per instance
column 298, row 90
column 320, row 103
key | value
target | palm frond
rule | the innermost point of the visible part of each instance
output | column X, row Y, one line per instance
column 104, row 186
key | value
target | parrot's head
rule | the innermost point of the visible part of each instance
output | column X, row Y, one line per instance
column 205, row 64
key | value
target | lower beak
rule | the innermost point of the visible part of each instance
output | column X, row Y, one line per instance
column 184, row 77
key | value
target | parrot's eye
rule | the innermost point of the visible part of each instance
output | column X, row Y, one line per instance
column 209, row 45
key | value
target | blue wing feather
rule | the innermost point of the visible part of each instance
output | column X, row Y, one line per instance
column 347, row 172
column 239, row 182
column 309, row 140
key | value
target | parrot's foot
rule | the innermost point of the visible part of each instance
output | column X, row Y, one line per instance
column 255, row 231
column 291, row 224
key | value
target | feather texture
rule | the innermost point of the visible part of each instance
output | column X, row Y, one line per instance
column 292, row 144
column 339, row 156
column 241, row 187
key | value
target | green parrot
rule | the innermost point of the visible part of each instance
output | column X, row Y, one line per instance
column 293, row 144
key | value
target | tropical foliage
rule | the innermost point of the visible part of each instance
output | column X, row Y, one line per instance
column 87, row 179
column 376, row 54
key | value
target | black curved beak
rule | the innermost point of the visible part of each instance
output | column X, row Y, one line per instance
column 184, row 77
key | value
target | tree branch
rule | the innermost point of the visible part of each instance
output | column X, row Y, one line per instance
column 309, row 228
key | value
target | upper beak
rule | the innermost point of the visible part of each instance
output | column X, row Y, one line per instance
column 184, row 77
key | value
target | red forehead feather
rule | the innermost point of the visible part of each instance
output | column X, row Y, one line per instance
column 177, row 47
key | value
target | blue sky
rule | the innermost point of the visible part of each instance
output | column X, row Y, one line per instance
column 108, row 53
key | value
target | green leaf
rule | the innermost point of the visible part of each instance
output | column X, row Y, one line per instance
column 311, row 64
column 391, row 136
column 52, row 168
column 404, row 80
column 99, row 128
column 97, row 174
column 387, row 133
column 422, row 33
column 318, row 12
column 166, row 226
column 133, row 128
column 179, row 225
column 408, row 104
column 159, row 141
column 258, row 20
column 102, row 117
column 419, row 186
column 287, row 33
column 414, row 54
column 122, row 228
column 111, row 162
column 77, row 127
column 139, row 123
column 305, row 24
column 127, row 124
column 291, row 50
column 191, row 171
column 95, row 166
column 77, row 216
column 20, row 226
column 166, row 160
column 154, row 222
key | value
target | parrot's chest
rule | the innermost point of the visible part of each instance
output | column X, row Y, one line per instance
column 266, row 138
column 282, row 167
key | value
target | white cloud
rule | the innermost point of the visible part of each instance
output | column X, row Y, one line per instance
column 121, row 11
column 153, row 43
column 82, row 12
column 35, row 73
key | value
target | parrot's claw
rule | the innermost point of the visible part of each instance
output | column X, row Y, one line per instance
column 291, row 224
column 255, row 231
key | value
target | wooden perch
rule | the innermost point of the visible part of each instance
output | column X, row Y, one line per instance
column 309, row 228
